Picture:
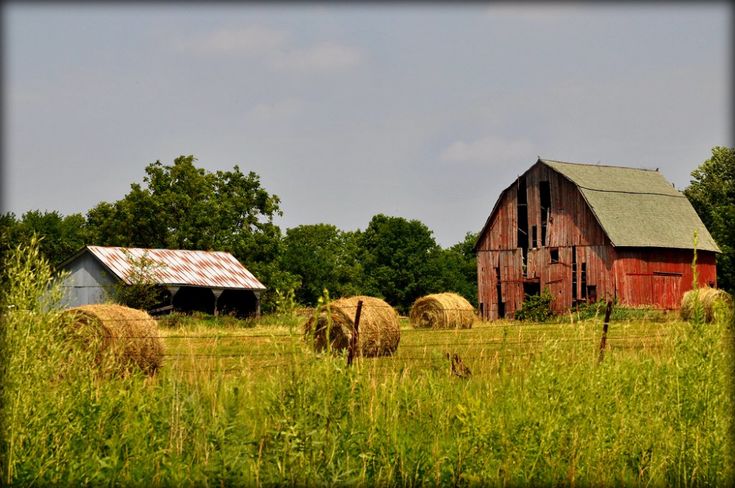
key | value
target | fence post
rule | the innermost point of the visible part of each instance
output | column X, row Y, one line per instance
column 603, row 341
column 352, row 349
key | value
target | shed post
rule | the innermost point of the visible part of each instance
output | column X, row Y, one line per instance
column 257, row 303
column 217, row 293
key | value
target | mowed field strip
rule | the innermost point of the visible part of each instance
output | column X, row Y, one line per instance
column 483, row 348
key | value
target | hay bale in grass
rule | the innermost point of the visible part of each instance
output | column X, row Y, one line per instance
column 379, row 330
column 120, row 338
column 442, row 311
column 715, row 303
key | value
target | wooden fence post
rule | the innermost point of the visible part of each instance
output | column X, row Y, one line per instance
column 603, row 341
column 352, row 349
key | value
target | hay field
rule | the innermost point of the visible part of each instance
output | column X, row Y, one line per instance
column 255, row 405
column 486, row 348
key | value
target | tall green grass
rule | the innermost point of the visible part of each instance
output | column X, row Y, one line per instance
column 552, row 416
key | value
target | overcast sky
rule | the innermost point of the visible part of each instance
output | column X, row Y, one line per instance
column 421, row 111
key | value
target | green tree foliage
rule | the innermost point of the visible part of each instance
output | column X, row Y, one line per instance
column 458, row 268
column 141, row 292
column 323, row 257
column 180, row 206
column 712, row 193
column 401, row 260
column 59, row 236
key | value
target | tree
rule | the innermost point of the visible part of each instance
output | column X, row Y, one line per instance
column 141, row 291
column 181, row 206
column 59, row 236
column 323, row 257
column 712, row 194
column 399, row 258
column 458, row 269
column 184, row 207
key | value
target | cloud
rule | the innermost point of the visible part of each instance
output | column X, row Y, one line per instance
column 532, row 13
column 324, row 56
column 276, row 111
column 250, row 40
column 489, row 149
column 274, row 48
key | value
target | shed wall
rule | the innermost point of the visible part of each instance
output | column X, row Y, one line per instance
column 87, row 282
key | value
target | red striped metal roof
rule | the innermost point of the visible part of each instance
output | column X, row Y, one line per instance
column 212, row 269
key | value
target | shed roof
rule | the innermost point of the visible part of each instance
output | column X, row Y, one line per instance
column 211, row 269
column 637, row 207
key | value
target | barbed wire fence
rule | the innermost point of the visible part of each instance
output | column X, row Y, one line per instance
column 287, row 354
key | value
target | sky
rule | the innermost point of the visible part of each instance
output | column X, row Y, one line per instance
column 423, row 111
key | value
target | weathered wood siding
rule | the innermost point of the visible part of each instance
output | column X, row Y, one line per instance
column 572, row 230
column 660, row 277
column 584, row 265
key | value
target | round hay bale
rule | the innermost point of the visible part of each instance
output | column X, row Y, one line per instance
column 379, row 331
column 121, row 338
column 715, row 304
column 442, row 311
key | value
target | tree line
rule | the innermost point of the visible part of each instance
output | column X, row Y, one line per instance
column 182, row 206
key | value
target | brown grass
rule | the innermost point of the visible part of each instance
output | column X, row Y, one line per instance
column 714, row 303
column 442, row 311
column 379, row 331
column 122, row 338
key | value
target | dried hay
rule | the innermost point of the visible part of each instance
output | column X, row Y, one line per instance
column 121, row 338
column 716, row 304
column 378, row 332
column 442, row 311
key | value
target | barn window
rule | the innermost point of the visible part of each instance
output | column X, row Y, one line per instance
column 554, row 254
column 583, row 279
column 534, row 236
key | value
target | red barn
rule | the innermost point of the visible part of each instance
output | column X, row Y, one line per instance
column 590, row 232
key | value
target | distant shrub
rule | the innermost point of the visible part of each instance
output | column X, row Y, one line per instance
column 536, row 308
column 596, row 309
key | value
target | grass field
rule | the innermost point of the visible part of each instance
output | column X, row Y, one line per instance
column 198, row 347
column 255, row 406
column 250, row 404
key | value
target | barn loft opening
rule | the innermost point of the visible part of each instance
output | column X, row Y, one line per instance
column 545, row 194
column 522, row 210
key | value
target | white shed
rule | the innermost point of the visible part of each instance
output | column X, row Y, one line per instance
column 206, row 281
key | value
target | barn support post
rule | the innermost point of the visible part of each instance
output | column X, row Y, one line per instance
column 603, row 341
column 352, row 349
column 172, row 290
column 257, row 303
column 217, row 293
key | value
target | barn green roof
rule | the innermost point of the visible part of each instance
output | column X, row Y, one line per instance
column 637, row 207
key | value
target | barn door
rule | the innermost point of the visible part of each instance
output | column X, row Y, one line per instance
column 638, row 289
column 667, row 290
